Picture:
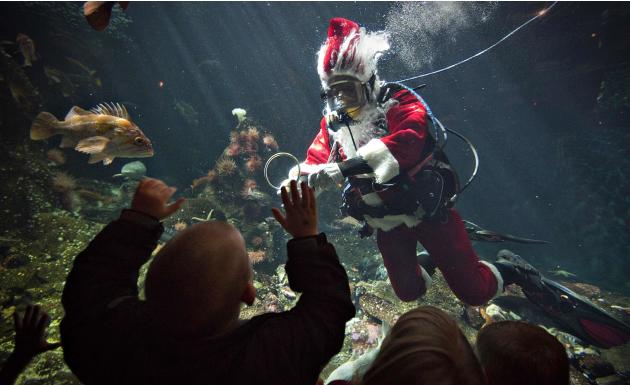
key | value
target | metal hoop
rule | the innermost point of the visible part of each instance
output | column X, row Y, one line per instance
column 278, row 155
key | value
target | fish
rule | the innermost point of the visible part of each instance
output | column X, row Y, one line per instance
column 22, row 90
column 89, row 73
column 98, row 13
column 188, row 112
column 105, row 132
column 27, row 47
column 132, row 171
column 562, row 273
column 55, row 76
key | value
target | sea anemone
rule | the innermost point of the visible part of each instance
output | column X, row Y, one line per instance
column 62, row 182
column 239, row 113
column 248, row 186
column 256, row 256
column 270, row 142
column 253, row 163
column 234, row 136
column 249, row 143
column 179, row 226
column 233, row 149
column 257, row 241
column 226, row 166
column 56, row 156
column 253, row 133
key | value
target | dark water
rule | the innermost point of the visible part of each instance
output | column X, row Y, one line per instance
column 548, row 110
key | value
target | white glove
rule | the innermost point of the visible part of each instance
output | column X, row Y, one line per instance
column 328, row 177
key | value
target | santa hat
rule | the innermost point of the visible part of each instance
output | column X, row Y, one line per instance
column 349, row 50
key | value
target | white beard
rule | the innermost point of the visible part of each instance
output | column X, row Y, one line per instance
column 363, row 130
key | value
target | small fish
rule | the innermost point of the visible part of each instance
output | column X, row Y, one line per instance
column 89, row 73
column 22, row 90
column 27, row 47
column 132, row 171
column 66, row 86
column 562, row 273
column 98, row 13
column 105, row 132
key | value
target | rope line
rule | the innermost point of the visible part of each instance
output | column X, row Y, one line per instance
column 538, row 15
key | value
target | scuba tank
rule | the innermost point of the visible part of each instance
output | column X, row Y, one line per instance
column 426, row 191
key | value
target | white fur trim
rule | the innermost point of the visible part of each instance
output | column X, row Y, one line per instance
column 388, row 222
column 378, row 156
column 364, row 48
column 426, row 278
column 497, row 275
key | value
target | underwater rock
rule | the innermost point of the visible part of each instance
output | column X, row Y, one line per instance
column 596, row 365
column 379, row 308
column 613, row 380
column 585, row 289
column 618, row 357
column 472, row 316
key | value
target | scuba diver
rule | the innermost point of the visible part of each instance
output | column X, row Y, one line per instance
column 376, row 143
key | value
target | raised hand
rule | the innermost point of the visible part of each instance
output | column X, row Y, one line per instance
column 301, row 211
column 30, row 332
column 151, row 198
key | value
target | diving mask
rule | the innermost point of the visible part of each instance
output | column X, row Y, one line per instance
column 345, row 94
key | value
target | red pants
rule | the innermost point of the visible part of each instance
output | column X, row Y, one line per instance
column 472, row 281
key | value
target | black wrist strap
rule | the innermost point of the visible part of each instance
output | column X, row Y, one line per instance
column 355, row 166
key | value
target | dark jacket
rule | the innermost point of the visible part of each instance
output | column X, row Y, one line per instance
column 110, row 337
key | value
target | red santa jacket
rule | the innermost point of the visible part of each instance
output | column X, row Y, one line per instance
column 397, row 152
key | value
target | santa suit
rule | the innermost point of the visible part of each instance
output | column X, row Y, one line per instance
column 396, row 151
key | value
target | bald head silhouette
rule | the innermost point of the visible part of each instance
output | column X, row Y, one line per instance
column 197, row 281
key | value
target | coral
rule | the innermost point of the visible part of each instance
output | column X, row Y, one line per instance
column 199, row 181
column 226, row 167
column 253, row 134
column 253, row 163
column 233, row 150
column 56, row 156
column 211, row 175
column 270, row 142
column 256, row 256
column 179, row 226
column 62, row 182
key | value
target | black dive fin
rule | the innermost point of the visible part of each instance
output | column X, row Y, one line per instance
column 579, row 316
column 574, row 313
